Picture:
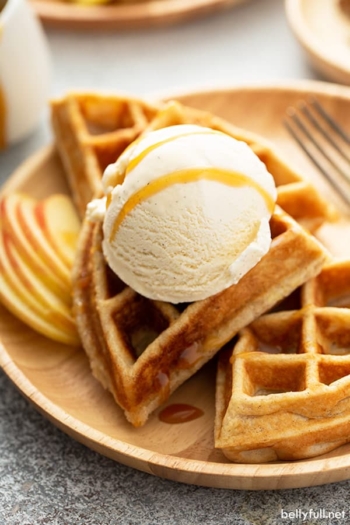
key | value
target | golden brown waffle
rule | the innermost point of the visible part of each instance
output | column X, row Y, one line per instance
column 284, row 391
column 142, row 350
column 92, row 130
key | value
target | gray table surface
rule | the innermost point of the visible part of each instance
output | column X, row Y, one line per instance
column 45, row 476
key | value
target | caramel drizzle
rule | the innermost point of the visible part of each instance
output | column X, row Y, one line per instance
column 119, row 178
column 135, row 161
column 228, row 177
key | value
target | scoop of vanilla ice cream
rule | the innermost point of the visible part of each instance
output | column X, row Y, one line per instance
column 187, row 213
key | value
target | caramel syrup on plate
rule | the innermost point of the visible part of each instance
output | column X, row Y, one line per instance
column 179, row 413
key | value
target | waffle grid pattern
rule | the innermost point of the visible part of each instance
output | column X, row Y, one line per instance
column 287, row 389
column 91, row 132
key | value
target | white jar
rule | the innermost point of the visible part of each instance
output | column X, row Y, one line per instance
column 25, row 71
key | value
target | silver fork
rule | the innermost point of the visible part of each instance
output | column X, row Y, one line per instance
column 324, row 141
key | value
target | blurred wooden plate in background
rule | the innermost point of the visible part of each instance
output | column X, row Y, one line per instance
column 322, row 27
column 141, row 14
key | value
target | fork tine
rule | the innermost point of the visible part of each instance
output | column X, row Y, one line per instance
column 334, row 125
column 296, row 119
column 308, row 114
column 305, row 132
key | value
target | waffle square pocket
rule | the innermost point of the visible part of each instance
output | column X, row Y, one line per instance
column 283, row 392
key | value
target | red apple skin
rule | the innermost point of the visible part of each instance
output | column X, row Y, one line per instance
column 32, row 230
column 39, row 298
column 10, row 224
column 24, row 287
column 20, row 310
column 60, row 223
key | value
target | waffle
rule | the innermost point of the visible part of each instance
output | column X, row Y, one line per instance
column 92, row 130
column 283, row 392
column 142, row 350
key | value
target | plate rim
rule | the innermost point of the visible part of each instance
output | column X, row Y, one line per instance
column 73, row 428
column 233, row 475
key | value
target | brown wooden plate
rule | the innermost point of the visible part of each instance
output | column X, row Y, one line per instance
column 57, row 379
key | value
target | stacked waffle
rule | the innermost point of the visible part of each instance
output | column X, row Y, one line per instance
column 141, row 350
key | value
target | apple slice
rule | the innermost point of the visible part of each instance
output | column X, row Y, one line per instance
column 32, row 282
column 10, row 223
column 10, row 274
column 36, row 237
column 18, row 308
column 19, row 297
column 59, row 221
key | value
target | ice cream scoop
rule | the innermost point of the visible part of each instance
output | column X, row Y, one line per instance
column 186, row 213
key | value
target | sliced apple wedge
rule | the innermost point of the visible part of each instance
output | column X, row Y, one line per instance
column 37, row 247
column 10, row 274
column 19, row 308
column 35, row 235
column 35, row 286
column 19, row 296
column 10, row 224
column 60, row 223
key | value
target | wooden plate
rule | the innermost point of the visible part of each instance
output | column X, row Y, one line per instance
column 57, row 379
column 143, row 14
column 323, row 29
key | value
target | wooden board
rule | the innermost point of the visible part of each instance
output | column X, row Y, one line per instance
column 118, row 16
column 323, row 30
column 57, row 379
